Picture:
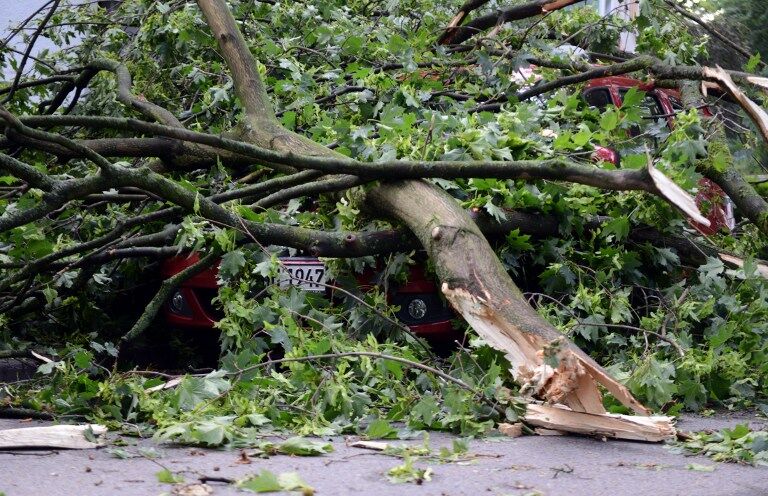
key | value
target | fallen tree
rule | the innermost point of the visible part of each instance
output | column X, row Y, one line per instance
column 547, row 365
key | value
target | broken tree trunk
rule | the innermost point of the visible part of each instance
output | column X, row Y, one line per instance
column 478, row 287
column 54, row 436
column 474, row 281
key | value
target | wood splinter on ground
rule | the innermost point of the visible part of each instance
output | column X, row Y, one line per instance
column 86, row 436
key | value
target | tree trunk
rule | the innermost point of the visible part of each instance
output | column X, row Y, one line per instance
column 479, row 288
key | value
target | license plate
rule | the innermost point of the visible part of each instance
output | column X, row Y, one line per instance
column 306, row 273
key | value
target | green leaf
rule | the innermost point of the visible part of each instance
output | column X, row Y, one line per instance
column 737, row 432
column 289, row 120
column 634, row 161
column 495, row 211
column 407, row 472
column 426, row 410
column 582, row 137
column 265, row 482
column 193, row 390
column 700, row 468
column 609, row 120
column 83, row 359
column 380, row 429
column 753, row 62
column 232, row 263
column 268, row 482
column 257, row 419
column 519, row 242
column 290, row 481
column 167, row 477
column 211, row 433
column 352, row 45
column 632, row 98
column 617, row 229
column 304, row 447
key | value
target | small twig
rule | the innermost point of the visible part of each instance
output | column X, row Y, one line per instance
column 224, row 480
column 23, row 413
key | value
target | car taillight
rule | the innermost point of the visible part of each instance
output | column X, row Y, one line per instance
column 716, row 207
column 606, row 155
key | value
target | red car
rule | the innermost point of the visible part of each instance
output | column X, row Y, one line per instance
column 661, row 104
column 421, row 307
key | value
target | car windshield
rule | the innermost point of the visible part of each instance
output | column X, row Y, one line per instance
column 654, row 124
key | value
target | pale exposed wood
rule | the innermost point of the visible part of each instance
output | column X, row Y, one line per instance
column 370, row 445
column 651, row 429
column 753, row 110
column 617, row 389
column 586, row 396
column 166, row 385
column 548, row 432
column 759, row 81
column 40, row 357
column 676, row 195
column 53, row 436
column 521, row 347
column 511, row 430
column 762, row 268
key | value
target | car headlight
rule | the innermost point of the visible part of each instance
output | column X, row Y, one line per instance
column 179, row 304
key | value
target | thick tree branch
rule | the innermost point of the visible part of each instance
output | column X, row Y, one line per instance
column 248, row 85
column 551, row 169
column 460, row 34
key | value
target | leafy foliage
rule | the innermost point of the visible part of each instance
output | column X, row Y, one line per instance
column 409, row 99
column 740, row 445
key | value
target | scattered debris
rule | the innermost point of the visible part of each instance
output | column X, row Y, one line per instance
column 192, row 490
column 371, row 445
column 243, row 459
column 511, row 430
column 297, row 446
column 700, row 468
column 739, row 445
column 167, row 477
column 408, row 472
column 643, row 466
column 54, row 436
column 269, row 482
column 565, row 469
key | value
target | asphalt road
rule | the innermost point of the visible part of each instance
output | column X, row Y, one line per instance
column 530, row 465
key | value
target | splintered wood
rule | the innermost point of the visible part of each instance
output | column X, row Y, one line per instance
column 633, row 428
column 54, row 436
column 573, row 402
